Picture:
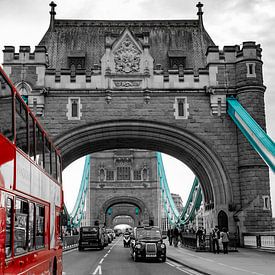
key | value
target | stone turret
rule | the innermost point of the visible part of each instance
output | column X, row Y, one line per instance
column 27, row 71
column 253, row 172
column 238, row 71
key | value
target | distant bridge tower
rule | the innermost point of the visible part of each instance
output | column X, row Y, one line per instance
column 124, row 183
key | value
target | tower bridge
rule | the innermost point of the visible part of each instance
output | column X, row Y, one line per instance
column 160, row 85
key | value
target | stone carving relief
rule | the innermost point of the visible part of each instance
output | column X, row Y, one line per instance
column 127, row 57
column 127, row 83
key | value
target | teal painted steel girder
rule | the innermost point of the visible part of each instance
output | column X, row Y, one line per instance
column 164, row 186
column 77, row 213
column 179, row 218
column 196, row 202
column 195, row 206
column 256, row 136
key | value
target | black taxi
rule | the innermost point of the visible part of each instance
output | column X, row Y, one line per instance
column 147, row 243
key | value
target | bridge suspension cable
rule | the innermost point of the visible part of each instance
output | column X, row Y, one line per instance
column 256, row 136
column 169, row 205
column 192, row 205
column 76, row 215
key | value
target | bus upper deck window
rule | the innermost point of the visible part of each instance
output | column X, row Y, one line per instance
column 6, row 110
column 21, row 123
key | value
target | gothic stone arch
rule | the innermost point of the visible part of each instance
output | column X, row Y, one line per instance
column 123, row 210
column 119, row 200
column 177, row 142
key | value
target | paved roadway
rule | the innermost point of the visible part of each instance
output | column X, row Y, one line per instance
column 116, row 260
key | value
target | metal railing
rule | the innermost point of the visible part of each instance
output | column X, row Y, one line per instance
column 204, row 242
column 70, row 242
column 263, row 240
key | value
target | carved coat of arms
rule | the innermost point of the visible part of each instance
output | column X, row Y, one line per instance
column 127, row 57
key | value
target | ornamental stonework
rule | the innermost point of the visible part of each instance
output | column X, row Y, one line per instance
column 127, row 83
column 127, row 57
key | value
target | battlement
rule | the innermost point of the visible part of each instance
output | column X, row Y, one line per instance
column 96, row 77
column 232, row 54
column 24, row 55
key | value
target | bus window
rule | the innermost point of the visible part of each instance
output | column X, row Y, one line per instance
column 6, row 107
column 31, row 226
column 58, row 169
column 9, row 211
column 21, row 125
column 31, row 137
column 39, row 158
column 20, row 226
column 54, row 163
column 40, row 227
column 47, row 155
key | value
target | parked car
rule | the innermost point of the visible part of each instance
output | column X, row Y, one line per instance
column 147, row 243
column 90, row 237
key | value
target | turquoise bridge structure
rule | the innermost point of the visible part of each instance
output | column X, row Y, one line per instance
column 257, row 137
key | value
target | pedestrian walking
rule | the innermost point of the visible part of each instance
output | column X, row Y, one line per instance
column 170, row 235
column 225, row 240
column 215, row 239
column 175, row 236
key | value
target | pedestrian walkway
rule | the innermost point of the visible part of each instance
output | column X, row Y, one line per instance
column 244, row 262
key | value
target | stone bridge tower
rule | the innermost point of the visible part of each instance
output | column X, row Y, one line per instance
column 158, row 85
column 124, row 182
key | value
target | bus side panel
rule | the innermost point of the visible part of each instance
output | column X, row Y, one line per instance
column 2, row 231
column 7, row 157
column 47, row 227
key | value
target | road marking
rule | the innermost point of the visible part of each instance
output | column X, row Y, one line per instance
column 101, row 260
column 98, row 269
column 188, row 271
column 169, row 264
column 68, row 251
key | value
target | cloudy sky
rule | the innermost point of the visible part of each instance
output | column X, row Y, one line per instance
column 229, row 22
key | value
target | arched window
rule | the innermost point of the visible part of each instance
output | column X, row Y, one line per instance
column 145, row 174
column 102, row 174
column 24, row 89
column 222, row 220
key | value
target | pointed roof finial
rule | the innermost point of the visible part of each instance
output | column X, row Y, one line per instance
column 52, row 13
column 200, row 12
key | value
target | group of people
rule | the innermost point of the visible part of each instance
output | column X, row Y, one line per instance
column 224, row 236
column 173, row 235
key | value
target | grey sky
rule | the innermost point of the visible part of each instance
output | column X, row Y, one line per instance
column 228, row 22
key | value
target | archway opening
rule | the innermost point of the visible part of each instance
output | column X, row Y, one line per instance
column 154, row 136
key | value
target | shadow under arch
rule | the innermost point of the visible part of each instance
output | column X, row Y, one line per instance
column 155, row 136
column 128, row 215
column 123, row 200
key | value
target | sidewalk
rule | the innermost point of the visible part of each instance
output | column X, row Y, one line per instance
column 244, row 262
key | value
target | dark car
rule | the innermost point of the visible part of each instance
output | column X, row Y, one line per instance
column 147, row 243
column 90, row 237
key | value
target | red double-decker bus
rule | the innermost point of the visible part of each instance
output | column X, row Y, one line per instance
column 31, row 195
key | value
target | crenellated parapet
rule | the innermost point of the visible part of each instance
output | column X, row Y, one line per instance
column 95, row 78
column 39, row 56
column 27, row 71
column 235, row 65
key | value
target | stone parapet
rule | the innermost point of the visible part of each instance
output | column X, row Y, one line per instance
column 25, row 55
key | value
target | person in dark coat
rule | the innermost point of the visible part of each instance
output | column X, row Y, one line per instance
column 215, row 239
column 175, row 236
column 169, row 235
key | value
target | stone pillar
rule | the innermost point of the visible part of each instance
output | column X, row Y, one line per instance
column 253, row 172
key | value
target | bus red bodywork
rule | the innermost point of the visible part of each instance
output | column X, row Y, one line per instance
column 31, row 196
